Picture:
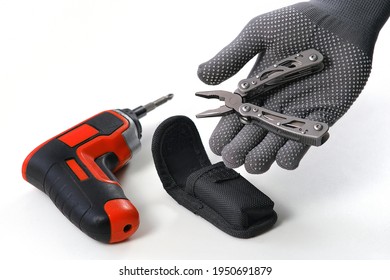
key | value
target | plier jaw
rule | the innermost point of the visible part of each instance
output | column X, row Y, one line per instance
column 232, row 103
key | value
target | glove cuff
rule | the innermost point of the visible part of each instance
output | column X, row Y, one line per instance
column 357, row 21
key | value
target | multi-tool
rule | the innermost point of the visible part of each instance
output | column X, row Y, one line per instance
column 293, row 67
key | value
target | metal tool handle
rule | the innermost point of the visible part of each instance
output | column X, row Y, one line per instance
column 293, row 67
column 305, row 131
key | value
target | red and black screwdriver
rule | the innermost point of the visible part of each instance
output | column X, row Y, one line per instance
column 76, row 170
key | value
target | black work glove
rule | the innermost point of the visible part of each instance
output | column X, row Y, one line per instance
column 344, row 31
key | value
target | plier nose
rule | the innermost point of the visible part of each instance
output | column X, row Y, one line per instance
column 232, row 103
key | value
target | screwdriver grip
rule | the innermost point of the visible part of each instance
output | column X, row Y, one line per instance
column 76, row 170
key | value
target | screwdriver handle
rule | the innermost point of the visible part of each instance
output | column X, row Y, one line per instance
column 76, row 170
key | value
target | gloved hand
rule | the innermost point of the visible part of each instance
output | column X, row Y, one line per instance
column 344, row 31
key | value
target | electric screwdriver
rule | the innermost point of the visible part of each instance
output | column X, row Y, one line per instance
column 76, row 170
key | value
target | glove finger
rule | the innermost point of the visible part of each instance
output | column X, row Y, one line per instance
column 234, row 153
column 224, row 132
column 290, row 155
column 261, row 157
column 234, row 56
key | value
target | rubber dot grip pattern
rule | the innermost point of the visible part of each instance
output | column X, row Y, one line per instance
column 75, row 169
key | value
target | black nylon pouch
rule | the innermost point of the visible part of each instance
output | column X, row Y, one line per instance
column 218, row 194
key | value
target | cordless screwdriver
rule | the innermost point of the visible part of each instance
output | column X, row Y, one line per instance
column 76, row 170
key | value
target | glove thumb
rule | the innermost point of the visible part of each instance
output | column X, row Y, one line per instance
column 235, row 55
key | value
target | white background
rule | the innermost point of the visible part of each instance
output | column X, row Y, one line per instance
column 64, row 61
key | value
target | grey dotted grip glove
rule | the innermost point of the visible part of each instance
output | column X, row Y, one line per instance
column 344, row 31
